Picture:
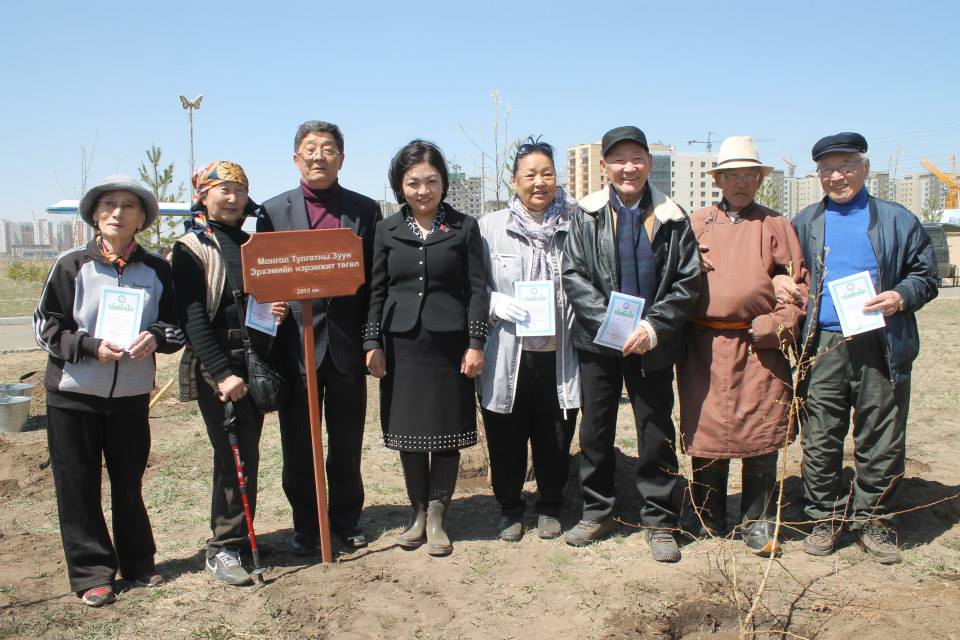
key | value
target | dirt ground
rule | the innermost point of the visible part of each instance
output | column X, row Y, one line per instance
column 488, row 589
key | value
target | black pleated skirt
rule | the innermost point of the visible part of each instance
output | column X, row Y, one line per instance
column 426, row 404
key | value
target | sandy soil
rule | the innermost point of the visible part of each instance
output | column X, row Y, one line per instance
column 488, row 589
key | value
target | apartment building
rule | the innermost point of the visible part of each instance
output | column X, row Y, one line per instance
column 465, row 193
column 583, row 170
column 921, row 192
column 690, row 185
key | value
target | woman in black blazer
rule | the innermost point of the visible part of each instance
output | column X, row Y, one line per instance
column 425, row 334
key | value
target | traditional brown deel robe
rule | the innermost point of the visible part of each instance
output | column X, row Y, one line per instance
column 735, row 388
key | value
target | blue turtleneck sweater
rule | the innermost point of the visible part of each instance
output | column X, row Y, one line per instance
column 847, row 247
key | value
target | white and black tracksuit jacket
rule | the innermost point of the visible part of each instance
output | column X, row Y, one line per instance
column 66, row 317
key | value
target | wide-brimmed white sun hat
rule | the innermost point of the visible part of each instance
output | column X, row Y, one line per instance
column 739, row 152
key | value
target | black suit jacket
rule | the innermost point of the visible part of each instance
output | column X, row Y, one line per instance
column 343, row 316
column 441, row 282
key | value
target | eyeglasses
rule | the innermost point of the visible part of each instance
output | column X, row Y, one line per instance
column 745, row 178
column 847, row 168
column 316, row 153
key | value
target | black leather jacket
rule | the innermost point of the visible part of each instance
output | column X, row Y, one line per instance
column 590, row 275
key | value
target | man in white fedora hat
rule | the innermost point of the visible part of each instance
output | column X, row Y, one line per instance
column 734, row 380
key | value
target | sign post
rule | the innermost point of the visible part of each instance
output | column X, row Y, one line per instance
column 305, row 265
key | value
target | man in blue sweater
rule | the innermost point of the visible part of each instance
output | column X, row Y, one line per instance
column 849, row 232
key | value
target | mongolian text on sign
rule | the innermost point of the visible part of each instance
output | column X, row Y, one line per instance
column 298, row 265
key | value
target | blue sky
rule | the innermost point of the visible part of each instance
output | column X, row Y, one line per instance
column 106, row 77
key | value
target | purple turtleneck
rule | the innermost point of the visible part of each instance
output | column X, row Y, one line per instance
column 322, row 205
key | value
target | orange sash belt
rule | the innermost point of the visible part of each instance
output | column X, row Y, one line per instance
column 722, row 325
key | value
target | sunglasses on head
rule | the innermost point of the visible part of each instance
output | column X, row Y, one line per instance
column 534, row 146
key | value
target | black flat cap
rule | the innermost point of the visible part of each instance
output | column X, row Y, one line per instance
column 839, row 142
column 622, row 134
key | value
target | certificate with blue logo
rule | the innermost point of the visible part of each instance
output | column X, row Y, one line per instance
column 538, row 299
column 259, row 316
column 849, row 295
column 623, row 316
column 119, row 315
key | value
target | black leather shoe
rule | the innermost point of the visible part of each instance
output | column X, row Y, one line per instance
column 305, row 544
column 353, row 538
column 510, row 528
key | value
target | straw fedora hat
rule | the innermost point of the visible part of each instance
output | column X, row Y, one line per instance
column 739, row 152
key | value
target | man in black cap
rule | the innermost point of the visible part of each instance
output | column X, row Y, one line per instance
column 630, row 238
column 849, row 232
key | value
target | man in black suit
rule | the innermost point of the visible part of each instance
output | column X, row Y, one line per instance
column 321, row 203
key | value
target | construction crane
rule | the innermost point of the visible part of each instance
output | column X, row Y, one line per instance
column 791, row 166
column 708, row 141
column 953, row 187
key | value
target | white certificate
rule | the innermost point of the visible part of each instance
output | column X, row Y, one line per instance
column 537, row 299
column 119, row 314
column 623, row 316
column 259, row 316
column 849, row 294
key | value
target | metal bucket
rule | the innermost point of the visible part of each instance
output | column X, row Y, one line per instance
column 17, row 389
column 14, row 412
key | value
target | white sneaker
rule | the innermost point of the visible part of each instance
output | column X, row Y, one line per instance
column 226, row 566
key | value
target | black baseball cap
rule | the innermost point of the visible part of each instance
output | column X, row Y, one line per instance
column 622, row 134
column 845, row 142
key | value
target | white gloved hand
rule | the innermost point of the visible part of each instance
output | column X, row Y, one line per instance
column 506, row 308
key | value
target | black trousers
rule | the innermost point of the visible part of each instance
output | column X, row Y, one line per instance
column 79, row 444
column 537, row 418
column 227, row 520
column 651, row 396
column 344, row 401
column 852, row 375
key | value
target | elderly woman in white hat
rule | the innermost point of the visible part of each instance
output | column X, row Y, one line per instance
column 105, row 309
column 734, row 381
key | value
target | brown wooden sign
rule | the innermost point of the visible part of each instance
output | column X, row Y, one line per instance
column 299, row 265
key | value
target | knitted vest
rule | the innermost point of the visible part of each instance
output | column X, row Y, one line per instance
column 213, row 269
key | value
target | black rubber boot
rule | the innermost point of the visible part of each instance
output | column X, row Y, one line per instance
column 709, row 493
column 415, row 473
column 416, row 532
column 443, row 480
column 438, row 542
column 758, row 508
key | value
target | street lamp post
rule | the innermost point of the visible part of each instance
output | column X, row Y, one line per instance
column 190, row 105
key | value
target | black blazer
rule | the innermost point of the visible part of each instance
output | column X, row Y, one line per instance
column 344, row 316
column 441, row 282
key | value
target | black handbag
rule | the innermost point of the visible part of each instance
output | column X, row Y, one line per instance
column 267, row 388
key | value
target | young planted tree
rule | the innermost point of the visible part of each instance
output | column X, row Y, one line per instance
column 768, row 194
column 931, row 208
column 159, row 181
column 496, row 155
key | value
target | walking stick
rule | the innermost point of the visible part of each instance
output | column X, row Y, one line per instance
column 230, row 423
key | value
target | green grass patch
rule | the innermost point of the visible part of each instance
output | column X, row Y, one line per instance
column 19, row 294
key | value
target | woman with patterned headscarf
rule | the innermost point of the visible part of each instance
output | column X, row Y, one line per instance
column 206, row 268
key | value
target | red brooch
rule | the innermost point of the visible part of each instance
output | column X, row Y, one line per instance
column 443, row 228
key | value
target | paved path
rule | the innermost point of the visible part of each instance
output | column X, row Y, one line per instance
column 16, row 334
